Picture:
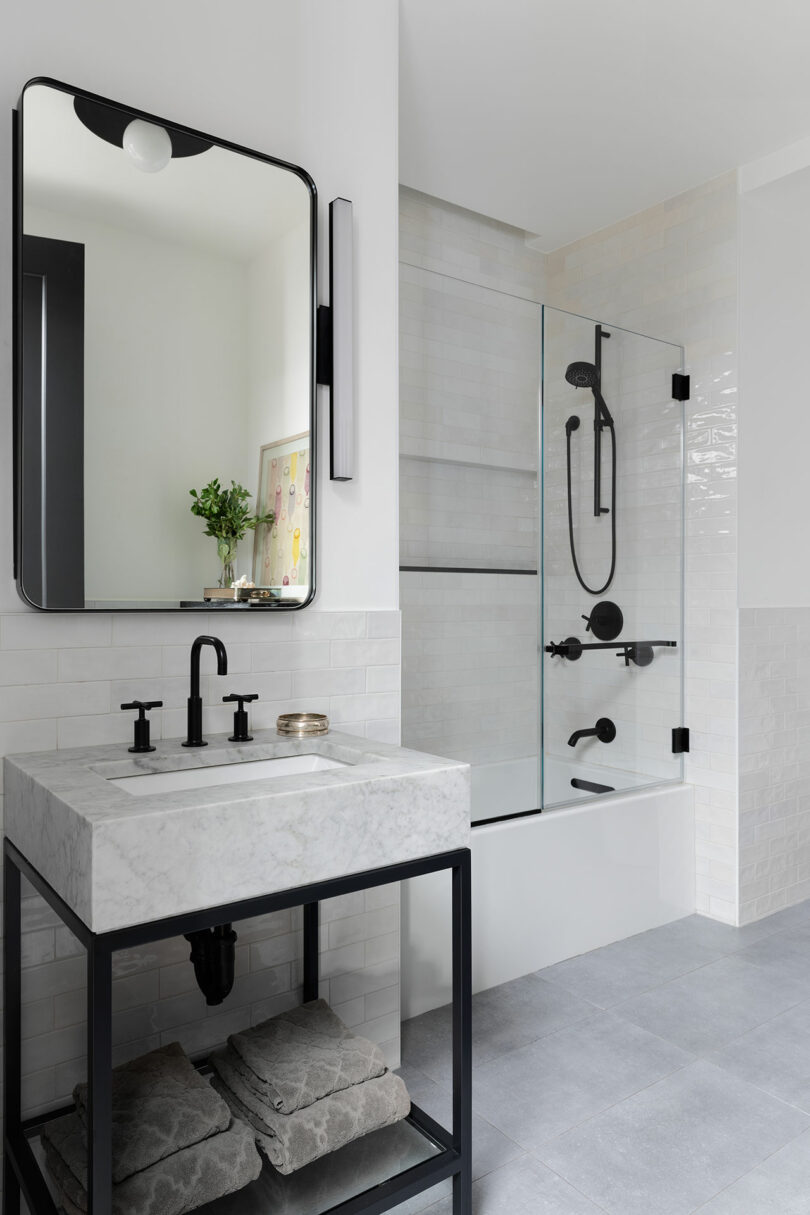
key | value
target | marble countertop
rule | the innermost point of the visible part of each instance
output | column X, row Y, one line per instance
column 118, row 860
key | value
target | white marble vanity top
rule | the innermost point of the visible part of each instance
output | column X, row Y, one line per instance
column 119, row 859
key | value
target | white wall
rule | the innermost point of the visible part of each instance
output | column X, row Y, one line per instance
column 278, row 344
column 775, row 440
column 166, row 371
column 774, row 575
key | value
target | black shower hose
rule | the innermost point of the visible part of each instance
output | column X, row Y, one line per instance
column 592, row 590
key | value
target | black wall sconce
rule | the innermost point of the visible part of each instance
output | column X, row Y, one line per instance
column 336, row 341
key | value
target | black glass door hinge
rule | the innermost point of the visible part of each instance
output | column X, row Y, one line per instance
column 680, row 740
column 680, row 386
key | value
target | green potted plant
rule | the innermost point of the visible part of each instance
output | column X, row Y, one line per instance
column 227, row 514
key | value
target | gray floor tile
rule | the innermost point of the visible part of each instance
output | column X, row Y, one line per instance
column 775, row 1057
column 491, row 1148
column 704, row 1010
column 524, row 1188
column 541, row 1090
column 675, row 1145
column 784, row 956
column 724, row 938
column 617, row 972
column 778, row 1186
column 504, row 1019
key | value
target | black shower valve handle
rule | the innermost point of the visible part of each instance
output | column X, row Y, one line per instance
column 142, row 742
column 240, row 717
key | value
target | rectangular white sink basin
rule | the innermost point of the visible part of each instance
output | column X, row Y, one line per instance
column 224, row 774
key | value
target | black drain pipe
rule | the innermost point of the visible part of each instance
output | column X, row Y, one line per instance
column 213, row 955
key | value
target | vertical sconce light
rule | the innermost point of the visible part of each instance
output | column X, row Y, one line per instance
column 336, row 341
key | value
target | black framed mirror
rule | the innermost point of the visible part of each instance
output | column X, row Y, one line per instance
column 165, row 306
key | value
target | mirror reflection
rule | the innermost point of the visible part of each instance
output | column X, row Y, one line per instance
column 166, row 366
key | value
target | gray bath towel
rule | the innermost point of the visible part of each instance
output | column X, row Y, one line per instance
column 300, row 1056
column 291, row 1141
column 177, row 1184
column 160, row 1104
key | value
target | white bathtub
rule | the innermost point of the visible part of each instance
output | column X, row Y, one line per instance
column 552, row 885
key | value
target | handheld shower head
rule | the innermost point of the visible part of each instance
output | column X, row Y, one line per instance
column 585, row 375
column 582, row 375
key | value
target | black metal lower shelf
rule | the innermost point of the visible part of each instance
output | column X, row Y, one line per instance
column 362, row 1170
column 368, row 1177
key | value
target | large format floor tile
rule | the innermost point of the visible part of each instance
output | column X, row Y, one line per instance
column 707, row 1008
column 504, row 1019
column 775, row 1057
column 539, row 1091
column 523, row 1188
column 617, row 972
column 674, row 1145
column 626, row 1120
column 778, row 1186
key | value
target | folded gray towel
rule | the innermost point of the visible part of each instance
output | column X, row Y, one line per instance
column 291, row 1141
column 360, row 1165
column 177, row 1184
column 300, row 1056
column 160, row 1104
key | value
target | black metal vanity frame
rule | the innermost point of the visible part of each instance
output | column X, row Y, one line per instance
column 22, row 1173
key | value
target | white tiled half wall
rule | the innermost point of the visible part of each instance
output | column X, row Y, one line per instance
column 62, row 679
column 774, row 765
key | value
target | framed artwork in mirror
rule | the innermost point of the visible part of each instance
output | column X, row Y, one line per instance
column 282, row 556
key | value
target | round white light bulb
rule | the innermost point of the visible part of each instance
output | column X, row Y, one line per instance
column 147, row 145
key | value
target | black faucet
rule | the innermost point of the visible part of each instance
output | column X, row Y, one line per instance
column 604, row 730
column 195, row 706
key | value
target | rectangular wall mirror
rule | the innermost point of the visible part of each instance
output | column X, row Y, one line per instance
column 165, row 305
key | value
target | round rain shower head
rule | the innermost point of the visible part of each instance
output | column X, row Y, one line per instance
column 582, row 375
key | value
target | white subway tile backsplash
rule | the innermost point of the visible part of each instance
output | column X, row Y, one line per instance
column 50, row 630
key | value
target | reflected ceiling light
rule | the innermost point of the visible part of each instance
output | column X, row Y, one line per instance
column 147, row 145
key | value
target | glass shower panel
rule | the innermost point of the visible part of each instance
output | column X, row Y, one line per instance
column 469, row 533
column 612, row 679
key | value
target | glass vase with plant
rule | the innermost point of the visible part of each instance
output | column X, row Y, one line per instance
column 227, row 514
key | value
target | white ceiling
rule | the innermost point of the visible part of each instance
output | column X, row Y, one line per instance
column 563, row 116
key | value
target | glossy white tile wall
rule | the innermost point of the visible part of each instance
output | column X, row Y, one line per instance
column 671, row 272
column 774, row 764
column 61, row 681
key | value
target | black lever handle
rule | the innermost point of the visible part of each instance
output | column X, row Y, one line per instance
column 240, row 717
column 142, row 742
